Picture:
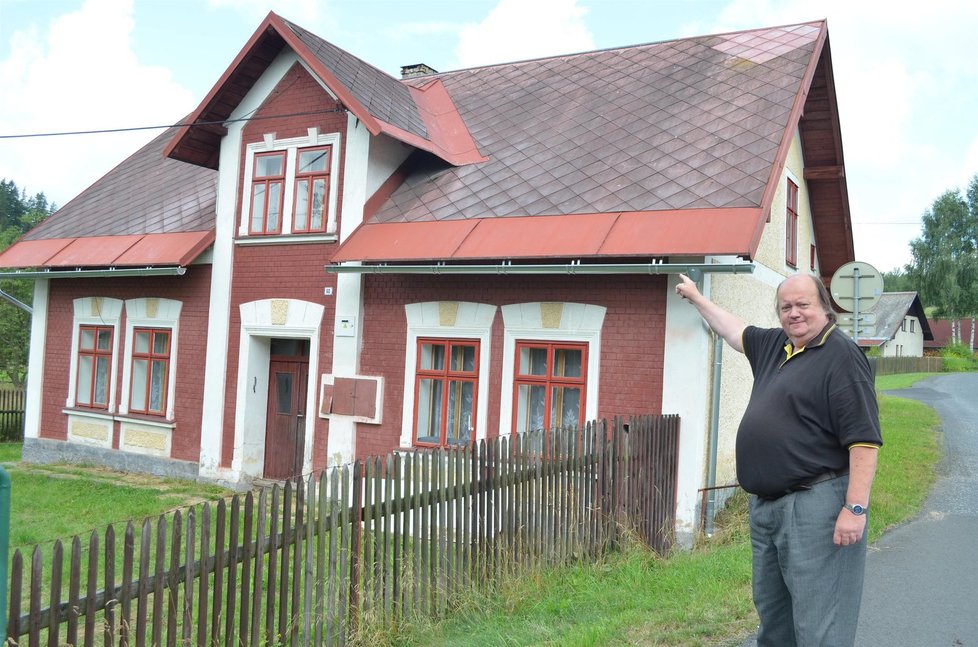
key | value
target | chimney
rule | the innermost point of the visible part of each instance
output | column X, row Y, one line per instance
column 418, row 69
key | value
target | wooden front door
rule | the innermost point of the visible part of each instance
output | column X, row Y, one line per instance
column 286, row 422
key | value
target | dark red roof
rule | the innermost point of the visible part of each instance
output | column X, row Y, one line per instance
column 941, row 329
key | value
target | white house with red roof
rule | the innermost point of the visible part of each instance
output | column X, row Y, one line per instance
column 325, row 262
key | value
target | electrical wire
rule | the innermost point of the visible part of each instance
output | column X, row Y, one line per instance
column 177, row 125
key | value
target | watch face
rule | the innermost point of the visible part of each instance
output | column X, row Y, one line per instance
column 857, row 509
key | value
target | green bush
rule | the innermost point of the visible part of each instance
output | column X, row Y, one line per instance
column 959, row 358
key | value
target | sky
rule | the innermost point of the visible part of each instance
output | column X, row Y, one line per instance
column 905, row 73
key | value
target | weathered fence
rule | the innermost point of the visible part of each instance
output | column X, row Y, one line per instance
column 392, row 538
column 12, row 403
column 895, row 365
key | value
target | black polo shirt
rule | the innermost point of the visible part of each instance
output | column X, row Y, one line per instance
column 805, row 411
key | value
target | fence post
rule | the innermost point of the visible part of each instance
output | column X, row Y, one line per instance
column 4, row 544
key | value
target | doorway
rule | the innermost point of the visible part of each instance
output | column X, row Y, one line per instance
column 285, row 426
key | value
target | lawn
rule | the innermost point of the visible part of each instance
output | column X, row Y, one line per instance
column 51, row 502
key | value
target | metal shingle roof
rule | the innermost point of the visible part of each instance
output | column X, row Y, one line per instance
column 686, row 124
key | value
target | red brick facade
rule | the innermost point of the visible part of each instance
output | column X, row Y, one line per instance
column 632, row 338
column 192, row 290
column 278, row 271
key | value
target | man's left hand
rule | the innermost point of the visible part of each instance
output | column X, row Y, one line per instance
column 849, row 528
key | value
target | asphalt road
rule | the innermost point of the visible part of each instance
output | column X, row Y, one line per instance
column 921, row 585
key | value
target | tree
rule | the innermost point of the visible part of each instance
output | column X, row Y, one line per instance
column 897, row 281
column 945, row 256
column 18, row 213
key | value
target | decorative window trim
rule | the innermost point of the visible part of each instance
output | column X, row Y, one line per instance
column 550, row 322
column 291, row 147
column 94, row 311
column 154, row 314
column 446, row 320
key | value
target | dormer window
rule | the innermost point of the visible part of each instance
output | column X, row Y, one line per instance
column 267, row 193
column 311, row 190
column 292, row 187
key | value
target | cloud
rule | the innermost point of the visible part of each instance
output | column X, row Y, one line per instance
column 303, row 12
column 518, row 30
column 79, row 73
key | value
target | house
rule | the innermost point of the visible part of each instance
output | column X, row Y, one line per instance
column 899, row 327
column 943, row 334
column 324, row 262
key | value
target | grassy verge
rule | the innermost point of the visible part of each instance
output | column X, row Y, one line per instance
column 701, row 597
column 51, row 502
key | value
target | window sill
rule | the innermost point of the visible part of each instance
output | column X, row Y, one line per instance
column 289, row 239
column 151, row 421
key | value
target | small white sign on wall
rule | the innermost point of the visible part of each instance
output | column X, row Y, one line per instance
column 346, row 326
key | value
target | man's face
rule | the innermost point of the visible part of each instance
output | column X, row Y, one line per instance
column 802, row 316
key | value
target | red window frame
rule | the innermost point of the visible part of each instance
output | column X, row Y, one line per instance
column 449, row 377
column 151, row 357
column 550, row 381
column 791, row 225
column 310, row 178
column 268, row 183
column 94, row 353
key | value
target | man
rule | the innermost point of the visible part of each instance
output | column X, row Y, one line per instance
column 806, row 451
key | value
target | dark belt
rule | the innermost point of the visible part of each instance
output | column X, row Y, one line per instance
column 807, row 485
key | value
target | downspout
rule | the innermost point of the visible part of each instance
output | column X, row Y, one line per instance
column 711, row 474
column 12, row 299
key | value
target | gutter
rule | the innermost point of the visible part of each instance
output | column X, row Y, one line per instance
column 507, row 267
column 84, row 274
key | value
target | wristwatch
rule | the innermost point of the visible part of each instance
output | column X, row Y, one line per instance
column 857, row 509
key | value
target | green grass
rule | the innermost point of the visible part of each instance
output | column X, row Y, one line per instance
column 701, row 597
column 51, row 502
column 901, row 381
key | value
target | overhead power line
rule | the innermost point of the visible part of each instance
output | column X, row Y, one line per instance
column 177, row 125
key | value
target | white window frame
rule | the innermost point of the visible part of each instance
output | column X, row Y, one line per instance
column 467, row 320
column 291, row 147
column 158, row 314
column 579, row 323
column 95, row 311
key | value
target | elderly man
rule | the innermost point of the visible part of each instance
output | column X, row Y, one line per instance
column 806, row 451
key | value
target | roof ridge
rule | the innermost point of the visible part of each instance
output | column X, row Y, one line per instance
column 604, row 50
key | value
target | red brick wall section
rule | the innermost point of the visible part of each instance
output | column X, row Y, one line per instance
column 632, row 340
column 277, row 272
column 289, row 271
column 192, row 290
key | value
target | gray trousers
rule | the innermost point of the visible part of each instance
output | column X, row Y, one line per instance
column 807, row 590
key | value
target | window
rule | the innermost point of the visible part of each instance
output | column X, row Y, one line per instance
column 549, row 385
column 911, row 324
column 94, row 366
column 311, row 190
column 791, row 225
column 267, row 193
column 813, row 257
column 292, row 187
column 447, row 384
column 149, row 363
column 903, row 326
column 150, row 371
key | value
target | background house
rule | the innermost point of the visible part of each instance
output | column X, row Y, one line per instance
column 900, row 327
column 329, row 263
column 942, row 334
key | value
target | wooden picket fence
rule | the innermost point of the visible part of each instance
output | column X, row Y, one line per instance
column 12, row 404
column 897, row 365
column 318, row 560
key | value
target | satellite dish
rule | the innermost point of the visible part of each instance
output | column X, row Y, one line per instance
column 856, row 286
